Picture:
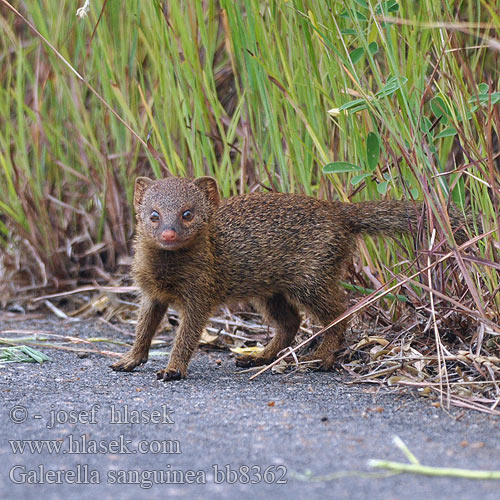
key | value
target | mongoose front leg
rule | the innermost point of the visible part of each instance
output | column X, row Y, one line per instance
column 151, row 313
column 186, row 341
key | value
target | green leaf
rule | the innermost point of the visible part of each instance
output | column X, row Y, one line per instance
column 355, row 13
column 484, row 98
column 362, row 3
column 351, row 104
column 447, row 132
column 338, row 167
column 357, row 54
column 372, row 150
column 392, row 6
column 382, row 187
column 458, row 193
column 425, row 125
column 358, row 104
column 358, row 178
column 373, row 48
column 391, row 86
column 386, row 7
column 439, row 108
column 483, row 88
column 348, row 31
column 22, row 354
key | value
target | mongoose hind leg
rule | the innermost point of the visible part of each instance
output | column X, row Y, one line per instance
column 326, row 311
column 151, row 313
column 284, row 316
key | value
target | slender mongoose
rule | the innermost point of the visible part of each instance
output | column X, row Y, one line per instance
column 284, row 252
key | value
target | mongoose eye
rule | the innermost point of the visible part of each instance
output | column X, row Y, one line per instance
column 155, row 216
column 187, row 215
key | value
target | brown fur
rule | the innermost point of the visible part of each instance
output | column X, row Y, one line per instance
column 282, row 251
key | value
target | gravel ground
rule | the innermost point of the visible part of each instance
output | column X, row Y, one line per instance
column 221, row 430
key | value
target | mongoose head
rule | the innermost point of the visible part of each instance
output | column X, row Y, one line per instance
column 172, row 212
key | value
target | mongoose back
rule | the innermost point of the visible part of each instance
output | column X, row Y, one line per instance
column 282, row 252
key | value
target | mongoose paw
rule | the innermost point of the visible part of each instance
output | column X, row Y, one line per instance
column 318, row 362
column 247, row 361
column 167, row 375
column 129, row 362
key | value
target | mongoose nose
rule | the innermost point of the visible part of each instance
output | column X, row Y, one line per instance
column 169, row 235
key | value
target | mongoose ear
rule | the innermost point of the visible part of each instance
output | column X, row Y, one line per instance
column 141, row 186
column 209, row 186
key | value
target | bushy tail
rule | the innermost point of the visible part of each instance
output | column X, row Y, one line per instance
column 393, row 217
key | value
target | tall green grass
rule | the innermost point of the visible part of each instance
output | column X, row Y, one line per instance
column 242, row 91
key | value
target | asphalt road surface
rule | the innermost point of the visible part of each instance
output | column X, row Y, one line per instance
column 87, row 430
